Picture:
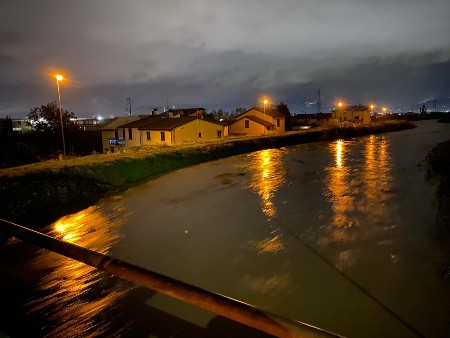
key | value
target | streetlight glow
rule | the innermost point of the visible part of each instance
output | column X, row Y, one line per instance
column 59, row 77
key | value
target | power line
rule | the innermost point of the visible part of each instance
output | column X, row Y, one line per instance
column 351, row 280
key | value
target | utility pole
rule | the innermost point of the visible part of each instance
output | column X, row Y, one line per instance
column 319, row 103
column 129, row 104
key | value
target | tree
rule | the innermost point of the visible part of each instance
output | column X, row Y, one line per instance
column 46, row 125
column 283, row 108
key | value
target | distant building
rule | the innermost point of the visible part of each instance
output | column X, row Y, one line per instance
column 354, row 114
column 257, row 121
column 184, row 112
column 9, row 125
column 88, row 123
column 318, row 119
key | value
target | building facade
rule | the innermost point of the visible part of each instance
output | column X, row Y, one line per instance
column 354, row 114
column 257, row 122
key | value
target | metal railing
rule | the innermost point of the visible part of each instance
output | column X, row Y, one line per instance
column 221, row 305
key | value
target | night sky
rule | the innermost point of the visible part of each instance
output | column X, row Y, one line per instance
column 222, row 54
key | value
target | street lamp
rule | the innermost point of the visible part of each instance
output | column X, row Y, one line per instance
column 265, row 102
column 59, row 78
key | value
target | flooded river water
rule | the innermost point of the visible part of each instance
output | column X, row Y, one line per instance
column 340, row 235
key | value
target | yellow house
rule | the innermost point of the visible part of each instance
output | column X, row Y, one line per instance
column 257, row 121
column 111, row 140
column 170, row 130
column 355, row 114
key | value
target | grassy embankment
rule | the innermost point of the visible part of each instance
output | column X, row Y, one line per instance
column 39, row 192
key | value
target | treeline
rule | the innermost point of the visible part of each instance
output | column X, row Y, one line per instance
column 45, row 140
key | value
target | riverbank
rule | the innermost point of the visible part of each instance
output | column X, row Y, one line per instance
column 438, row 160
column 38, row 193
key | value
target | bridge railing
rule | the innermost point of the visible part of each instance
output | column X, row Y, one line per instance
column 221, row 305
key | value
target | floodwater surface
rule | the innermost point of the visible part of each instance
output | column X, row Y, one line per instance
column 340, row 235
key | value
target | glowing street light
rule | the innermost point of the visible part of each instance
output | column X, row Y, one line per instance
column 59, row 78
column 340, row 105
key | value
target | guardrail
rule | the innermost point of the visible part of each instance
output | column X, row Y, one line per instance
column 210, row 301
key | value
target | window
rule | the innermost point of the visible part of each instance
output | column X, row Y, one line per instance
column 116, row 134
column 356, row 117
column 278, row 122
column 219, row 134
column 123, row 133
column 199, row 135
column 163, row 136
column 148, row 136
column 247, row 124
column 130, row 133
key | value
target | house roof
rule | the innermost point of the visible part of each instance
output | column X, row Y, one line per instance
column 118, row 121
column 255, row 119
column 170, row 123
column 142, row 122
column 268, row 111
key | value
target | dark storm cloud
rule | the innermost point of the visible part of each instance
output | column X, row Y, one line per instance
column 218, row 53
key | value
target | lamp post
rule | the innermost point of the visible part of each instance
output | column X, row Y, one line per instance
column 265, row 102
column 59, row 78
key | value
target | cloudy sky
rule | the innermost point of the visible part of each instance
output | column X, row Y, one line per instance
column 222, row 54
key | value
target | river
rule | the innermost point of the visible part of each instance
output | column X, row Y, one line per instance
column 340, row 235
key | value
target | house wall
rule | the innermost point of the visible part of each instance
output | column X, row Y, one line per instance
column 238, row 127
column 106, row 136
column 155, row 137
column 361, row 116
column 190, row 131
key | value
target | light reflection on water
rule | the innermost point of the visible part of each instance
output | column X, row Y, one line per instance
column 357, row 187
column 266, row 174
column 71, row 301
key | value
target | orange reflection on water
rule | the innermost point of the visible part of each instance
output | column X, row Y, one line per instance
column 341, row 197
column 71, row 300
column 267, row 174
column 358, row 188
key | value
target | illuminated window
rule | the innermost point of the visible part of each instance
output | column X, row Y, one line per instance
column 148, row 136
column 163, row 136
column 247, row 124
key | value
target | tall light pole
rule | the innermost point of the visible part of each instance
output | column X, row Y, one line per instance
column 59, row 78
column 265, row 102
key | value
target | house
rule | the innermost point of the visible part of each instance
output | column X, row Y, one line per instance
column 160, row 129
column 181, row 129
column 258, row 121
column 110, row 135
column 355, row 114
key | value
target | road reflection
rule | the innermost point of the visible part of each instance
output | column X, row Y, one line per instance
column 76, row 293
column 357, row 187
